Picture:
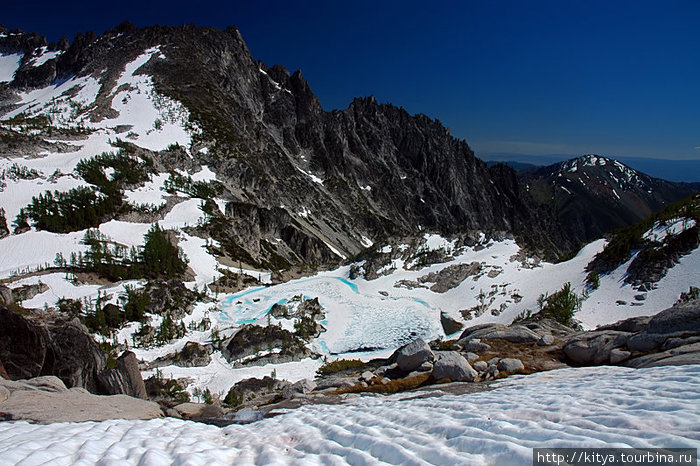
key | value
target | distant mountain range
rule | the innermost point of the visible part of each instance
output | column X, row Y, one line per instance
column 592, row 195
column 672, row 170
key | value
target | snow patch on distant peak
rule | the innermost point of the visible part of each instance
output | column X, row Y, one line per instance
column 44, row 56
column 9, row 63
column 313, row 177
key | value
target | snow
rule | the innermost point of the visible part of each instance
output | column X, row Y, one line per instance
column 157, row 121
column 45, row 56
column 34, row 249
column 313, row 177
column 600, row 308
column 642, row 408
column 673, row 227
column 150, row 193
column 18, row 194
column 57, row 100
column 437, row 242
column 8, row 65
column 204, row 175
column 218, row 376
column 366, row 242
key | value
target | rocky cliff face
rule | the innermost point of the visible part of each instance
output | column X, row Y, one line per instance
column 35, row 345
column 303, row 185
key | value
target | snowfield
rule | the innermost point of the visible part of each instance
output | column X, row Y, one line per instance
column 588, row 407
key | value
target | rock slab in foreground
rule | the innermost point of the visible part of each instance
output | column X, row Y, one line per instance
column 46, row 400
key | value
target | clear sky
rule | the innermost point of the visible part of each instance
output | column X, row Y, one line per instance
column 618, row 78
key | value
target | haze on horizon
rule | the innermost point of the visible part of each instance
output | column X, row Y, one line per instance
column 548, row 77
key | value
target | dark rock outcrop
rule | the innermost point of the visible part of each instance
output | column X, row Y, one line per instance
column 192, row 354
column 63, row 348
column 670, row 337
column 450, row 325
column 125, row 378
column 249, row 340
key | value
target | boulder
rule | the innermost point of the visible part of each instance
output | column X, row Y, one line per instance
column 198, row 411
column 510, row 365
column 335, row 383
column 546, row 340
column 301, row 387
column 427, row 366
column 74, row 356
column 31, row 346
column 682, row 318
column 682, row 355
column 618, row 355
column 546, row 325
column 492, row 372
column 480, row 366
column 193, row 354
column 675, row 342
column 409, row 357
column 473, row 345
column 250, row 339
column 22, row 345
column 594, row 347
column 125, row 378
column 644, row 342
column 632, row 325
column 452, row 365
column 47, row 383
column 513, row 333
column 471, row 357
column 4, row 393
column 367, row 376
column 6, row 297
column 449, row 325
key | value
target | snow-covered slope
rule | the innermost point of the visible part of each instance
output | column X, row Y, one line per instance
column 642, row 408
column 364, row 318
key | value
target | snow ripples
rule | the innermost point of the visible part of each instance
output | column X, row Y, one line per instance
column 591, row 407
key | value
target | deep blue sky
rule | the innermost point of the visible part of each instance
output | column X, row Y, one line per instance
column 618, row 78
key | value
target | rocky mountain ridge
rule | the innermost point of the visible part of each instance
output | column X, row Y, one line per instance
column 318, row 181
column 592, row 195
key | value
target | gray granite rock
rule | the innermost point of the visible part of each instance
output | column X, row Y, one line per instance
column 452, row 365
column 510, row 365
column 480, row 366
column 45, row 401
column 546, row 340
column 473, row 345
column 412, row 355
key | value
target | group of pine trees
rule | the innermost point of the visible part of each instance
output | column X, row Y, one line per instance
column 158, row 258
column 87, row 206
